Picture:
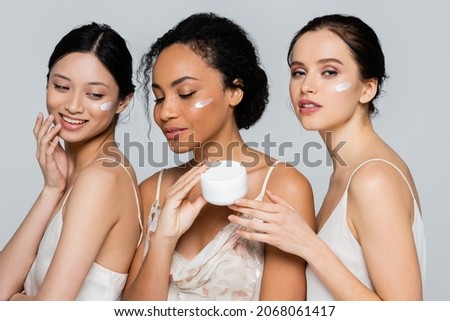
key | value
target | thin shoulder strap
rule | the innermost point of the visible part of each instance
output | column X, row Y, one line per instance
column 158, row 186
column 65, row 198
column 266, row 180
column 153, row 215
column 136, row 195
column 385, row 161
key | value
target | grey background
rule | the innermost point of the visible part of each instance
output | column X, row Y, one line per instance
column 414, row 110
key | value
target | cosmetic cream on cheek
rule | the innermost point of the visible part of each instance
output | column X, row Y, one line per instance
column 203, row 103
column 106, row 106
column 343, row 87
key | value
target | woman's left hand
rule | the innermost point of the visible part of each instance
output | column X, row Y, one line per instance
column 276, row 223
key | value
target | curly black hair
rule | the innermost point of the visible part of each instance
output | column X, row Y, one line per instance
column 224, row 46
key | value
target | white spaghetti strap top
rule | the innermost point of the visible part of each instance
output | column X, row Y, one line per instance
column 158, row 186
column 337, row 235
column 101, row 284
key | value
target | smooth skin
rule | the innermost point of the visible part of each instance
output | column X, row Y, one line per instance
column 97, row 227
column 187, row 223
column 380, row 210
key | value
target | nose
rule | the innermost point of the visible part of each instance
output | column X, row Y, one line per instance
column 167, row 109
column 309, row 85
column 74, row 105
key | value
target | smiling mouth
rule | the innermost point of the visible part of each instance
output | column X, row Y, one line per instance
column 73, row 121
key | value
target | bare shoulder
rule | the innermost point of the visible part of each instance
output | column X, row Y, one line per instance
column 101, row 185
column 291, row 185
column 107, row 176
column 148, row 187
column 376, row 176
column 377, row 190
column 98, row 194
column 286, row 179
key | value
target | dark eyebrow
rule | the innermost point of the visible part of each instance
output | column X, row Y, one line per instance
column 296, row 63
column 325, row 60
column 321, row 61
column 175, row 82
column 92, row 83
column 98, row 83
column 61, row 76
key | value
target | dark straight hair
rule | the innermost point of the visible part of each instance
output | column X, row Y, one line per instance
column 362, row 41
column 107, row 45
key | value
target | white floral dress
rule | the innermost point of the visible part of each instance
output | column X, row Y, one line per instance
column 227, row 268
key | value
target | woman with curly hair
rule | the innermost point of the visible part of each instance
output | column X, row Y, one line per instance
column 208, row 84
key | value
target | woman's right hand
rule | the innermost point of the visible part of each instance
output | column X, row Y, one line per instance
column 276, row 223
column 179, row 212
column 50, row 154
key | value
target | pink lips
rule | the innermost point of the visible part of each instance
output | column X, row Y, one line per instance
column 307, row 106
column 172, row 133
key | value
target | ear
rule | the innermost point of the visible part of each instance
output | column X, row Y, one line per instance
column 124, row 103
column 236, row 93
column 369, row 90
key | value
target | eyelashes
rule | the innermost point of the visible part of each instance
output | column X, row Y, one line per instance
column 182, row 96
column 60, row 87
column 186, row 96
column 330, row 73
column 302, row 73
column 91, row 95
column 95, row 95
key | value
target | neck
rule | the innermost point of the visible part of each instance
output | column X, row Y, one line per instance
column 81, row 154
column 226, row 143
column 230, row 148
column 346, row 142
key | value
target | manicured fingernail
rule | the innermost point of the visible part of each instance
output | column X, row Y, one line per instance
column 208, row 162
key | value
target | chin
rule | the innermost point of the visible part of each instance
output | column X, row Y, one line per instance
column 310, row 126
column 177, row 149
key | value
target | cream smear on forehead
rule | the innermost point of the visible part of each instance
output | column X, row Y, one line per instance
column 203, row 103
column 106, row 106
column 343, row 87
